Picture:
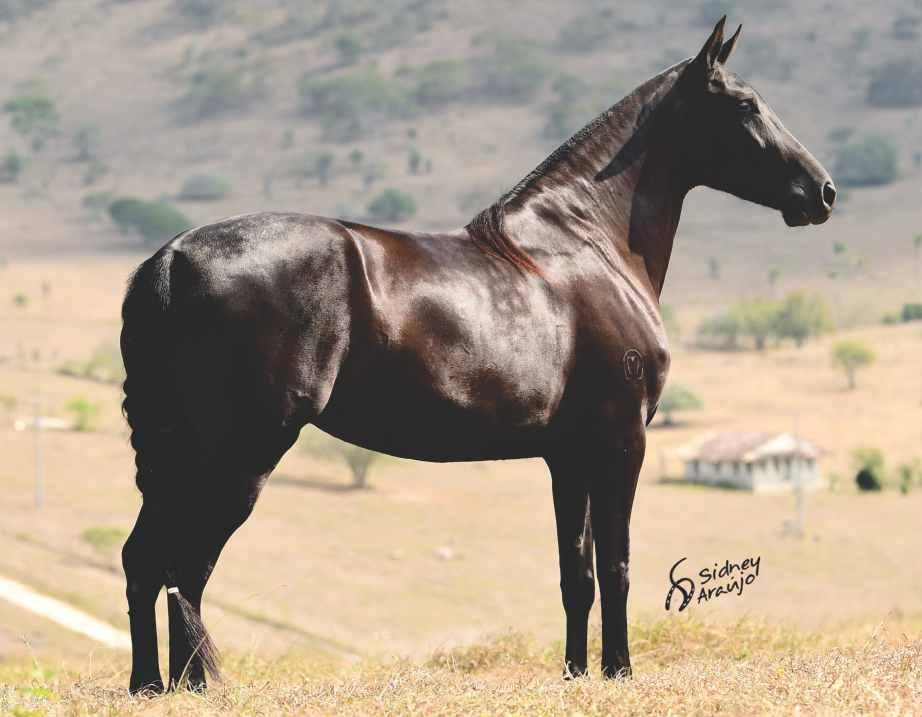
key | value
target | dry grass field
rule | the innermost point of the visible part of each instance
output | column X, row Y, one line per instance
column 684, row 667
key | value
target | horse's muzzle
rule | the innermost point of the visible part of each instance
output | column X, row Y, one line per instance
column 802, row 209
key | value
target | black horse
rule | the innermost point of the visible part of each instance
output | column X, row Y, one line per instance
column 533, row 331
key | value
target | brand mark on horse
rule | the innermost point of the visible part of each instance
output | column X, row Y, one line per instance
column 633, row 365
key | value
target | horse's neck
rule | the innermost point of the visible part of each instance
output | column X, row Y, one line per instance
column 656, row 207
column 633, row 214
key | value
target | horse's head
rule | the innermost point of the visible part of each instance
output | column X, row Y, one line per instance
column 737, row 144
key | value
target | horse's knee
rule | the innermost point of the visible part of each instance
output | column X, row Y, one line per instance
column 578, row 590
column 616, row 575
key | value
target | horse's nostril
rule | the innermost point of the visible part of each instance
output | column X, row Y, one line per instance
column 829, row 194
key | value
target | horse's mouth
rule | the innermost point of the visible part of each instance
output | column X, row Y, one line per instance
column 799, row 217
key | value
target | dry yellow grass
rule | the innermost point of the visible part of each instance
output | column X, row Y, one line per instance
column 684, row 667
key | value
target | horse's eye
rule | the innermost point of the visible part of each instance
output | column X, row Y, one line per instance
column 746, row 107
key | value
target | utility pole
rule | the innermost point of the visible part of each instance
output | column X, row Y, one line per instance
column 799, row 485
column 39, row 454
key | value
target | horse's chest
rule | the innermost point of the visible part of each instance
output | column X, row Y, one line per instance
column 633, row 356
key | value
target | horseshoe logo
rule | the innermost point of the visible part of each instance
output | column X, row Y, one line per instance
column 686, row 586
column 633, row 365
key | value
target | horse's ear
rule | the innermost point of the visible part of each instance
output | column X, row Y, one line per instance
column 728, row 46
column 708, row 56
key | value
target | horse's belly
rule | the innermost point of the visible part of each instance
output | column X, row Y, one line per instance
column 444, row 410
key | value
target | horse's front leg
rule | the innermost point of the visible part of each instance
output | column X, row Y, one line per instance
column 570, row 484
column 614, row 482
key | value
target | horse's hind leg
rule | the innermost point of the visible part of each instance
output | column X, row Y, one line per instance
column 201, row 527
column 206, row 517
column 144, row 571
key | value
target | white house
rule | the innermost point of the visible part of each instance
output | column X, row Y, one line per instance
column 758, row 462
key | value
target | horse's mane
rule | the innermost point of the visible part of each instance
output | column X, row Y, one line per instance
column 621, row 120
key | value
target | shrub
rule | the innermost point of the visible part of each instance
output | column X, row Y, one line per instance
column 12, row 10
column 440, row 82
column 757, row 319
column 220, row 87
column 513, row 72
column 801, row 316
column 200, row 13
column 897, row 84
column 414, row 160
column 33, row 115
column 586, row 32
column 95, row 170
column 8, row 402
column 348, row 106
column 86, row 140
column 869, row 161
column 869, row 464
column 348, row 48
column 84, row 413
column 104, row 365
column 358, row 459
column 204, row 187
column 392, row 205
column 104, row 540
column 153, row 221
column 720, row 332
column 11, row 166
column 677, row 398
column 371, row 173
column 850, row 355
column 908, row 473
column 20, row 300
column 911, row 312
column 313, row 165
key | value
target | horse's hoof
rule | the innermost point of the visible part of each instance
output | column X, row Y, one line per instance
column 198, row 686
column 146, row 688
column 573, row 671
column 616, row 673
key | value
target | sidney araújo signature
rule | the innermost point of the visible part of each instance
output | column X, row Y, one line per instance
column 728, row 578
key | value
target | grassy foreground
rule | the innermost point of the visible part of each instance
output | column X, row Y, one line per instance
column 683, row 666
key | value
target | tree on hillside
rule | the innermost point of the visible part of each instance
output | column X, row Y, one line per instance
column 359, row 460
column 677, row 398
column 801, row 316
column 33, row 115
column 348, row 48
column 720, row 332
column 154, row 221
column 392, row 205
column 756, row 318
column 850, row 355
column 870, row 161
